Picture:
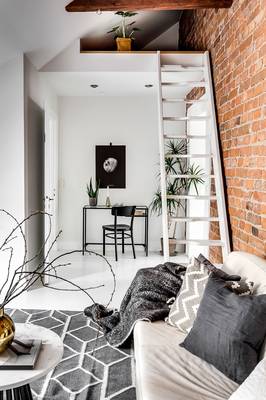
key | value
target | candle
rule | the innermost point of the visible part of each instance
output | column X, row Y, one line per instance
column 108, row 192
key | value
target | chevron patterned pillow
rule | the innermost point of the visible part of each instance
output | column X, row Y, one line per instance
column 183, row 311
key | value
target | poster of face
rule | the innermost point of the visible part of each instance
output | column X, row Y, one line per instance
column 111, row 166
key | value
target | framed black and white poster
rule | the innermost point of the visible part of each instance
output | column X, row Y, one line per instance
column 111, row 166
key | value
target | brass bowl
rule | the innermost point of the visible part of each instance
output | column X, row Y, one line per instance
column 7, row 331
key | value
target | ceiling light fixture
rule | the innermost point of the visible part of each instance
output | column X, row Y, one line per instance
column 94, row 86
column 148, row 86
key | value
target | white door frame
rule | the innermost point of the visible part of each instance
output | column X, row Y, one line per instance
column 51, row 173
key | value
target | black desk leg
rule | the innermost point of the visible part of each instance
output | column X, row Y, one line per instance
column 147, row 233
column 83, row 231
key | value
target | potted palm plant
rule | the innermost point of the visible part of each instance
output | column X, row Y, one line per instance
column 176, row 186
column 124, row 32
column 93, row 193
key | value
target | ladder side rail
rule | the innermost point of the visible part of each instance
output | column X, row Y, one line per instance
column 162, row 162
column 217, row 166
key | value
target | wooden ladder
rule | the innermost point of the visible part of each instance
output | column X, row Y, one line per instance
column 177, row 78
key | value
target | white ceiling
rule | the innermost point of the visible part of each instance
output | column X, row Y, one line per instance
column 115, row 83
column 42, row 28
column 110, row 83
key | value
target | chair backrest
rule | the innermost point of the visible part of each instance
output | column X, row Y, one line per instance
column 124, row 211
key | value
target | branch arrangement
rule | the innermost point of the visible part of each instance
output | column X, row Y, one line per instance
column 38, row 266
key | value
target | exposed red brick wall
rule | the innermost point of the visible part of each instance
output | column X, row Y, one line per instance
column 236, row 39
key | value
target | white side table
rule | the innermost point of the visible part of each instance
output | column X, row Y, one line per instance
column 16, row 384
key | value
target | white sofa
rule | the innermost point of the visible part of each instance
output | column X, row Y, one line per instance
column 165, row 371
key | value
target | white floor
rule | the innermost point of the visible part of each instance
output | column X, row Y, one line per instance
column 87, row 271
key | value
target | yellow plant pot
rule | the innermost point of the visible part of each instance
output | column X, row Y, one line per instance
column 7, row 331
column 123, row 44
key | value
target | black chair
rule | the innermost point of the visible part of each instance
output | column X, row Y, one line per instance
column 120, row 231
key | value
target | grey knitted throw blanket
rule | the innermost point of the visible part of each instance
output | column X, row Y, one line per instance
column 146, row 299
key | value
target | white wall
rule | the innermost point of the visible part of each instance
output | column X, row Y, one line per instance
column 11, row 154
column 12, row 138
column 166, row 41
column 86, row 122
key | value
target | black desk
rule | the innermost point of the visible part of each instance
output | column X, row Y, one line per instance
column 141, row 212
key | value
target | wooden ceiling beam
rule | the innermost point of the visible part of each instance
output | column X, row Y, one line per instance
column 139, row 5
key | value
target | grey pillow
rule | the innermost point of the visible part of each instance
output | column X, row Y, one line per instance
column 229, row 330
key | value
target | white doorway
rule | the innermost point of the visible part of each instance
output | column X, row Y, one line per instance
column 51, row 176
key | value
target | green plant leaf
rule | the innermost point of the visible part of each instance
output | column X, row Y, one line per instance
column 91, row 192
column 114, row 29
column 129, row 14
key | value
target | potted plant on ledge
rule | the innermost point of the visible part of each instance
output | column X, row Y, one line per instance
column 176, row 186
column 93, row 193
column 124, row 31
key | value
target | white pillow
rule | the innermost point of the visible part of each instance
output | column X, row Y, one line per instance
column 254, row 387
column 183, row 311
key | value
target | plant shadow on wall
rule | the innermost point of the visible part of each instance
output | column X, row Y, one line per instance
column 181, row 177
column 17, row 279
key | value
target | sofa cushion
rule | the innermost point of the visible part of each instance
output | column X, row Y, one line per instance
column 254, row 387
column 229, row 330
column 183, row 311
column 164, row 370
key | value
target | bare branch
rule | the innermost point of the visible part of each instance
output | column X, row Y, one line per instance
column 23, row 279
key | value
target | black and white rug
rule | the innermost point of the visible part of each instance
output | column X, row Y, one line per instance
column 91, row 369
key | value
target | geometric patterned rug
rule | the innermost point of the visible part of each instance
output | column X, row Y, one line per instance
column 91, row 369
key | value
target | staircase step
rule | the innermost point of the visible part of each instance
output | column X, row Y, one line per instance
column 194, row 219
column 187, row 176
column 190, row 197
column 186, row 136
column 188, row 83
column 181, row 68
column 166, row 100
column 201, row 242
column 195, row 118
column 188, row 155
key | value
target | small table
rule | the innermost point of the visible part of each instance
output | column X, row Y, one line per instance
column 16, row 382
column 141, row 212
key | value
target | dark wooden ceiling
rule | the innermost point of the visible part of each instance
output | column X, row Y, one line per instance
column 138, row 5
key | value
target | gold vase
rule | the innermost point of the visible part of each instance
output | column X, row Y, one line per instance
column 7, row 330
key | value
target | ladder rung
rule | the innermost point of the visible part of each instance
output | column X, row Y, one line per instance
column 187, row 176
column 201, row 242
column 186, row 136
column 194, row 219
column 166, row 100
column 190, row 197
column 188, row 83
column 195, row 118
column 188, row 155
column 181, row 68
